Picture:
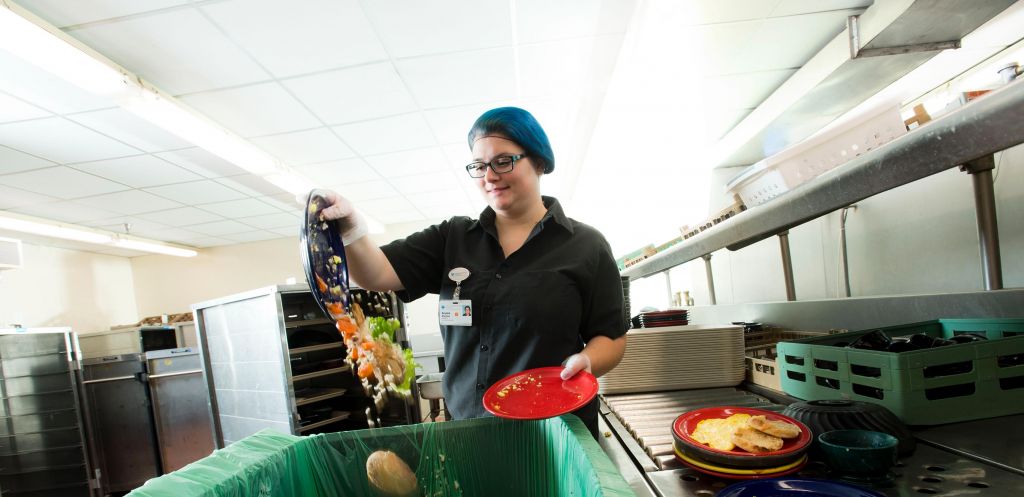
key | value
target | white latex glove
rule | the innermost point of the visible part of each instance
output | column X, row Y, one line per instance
column 350, row 223
column 574, row 364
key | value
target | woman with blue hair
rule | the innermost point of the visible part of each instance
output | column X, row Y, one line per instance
column 543, row 289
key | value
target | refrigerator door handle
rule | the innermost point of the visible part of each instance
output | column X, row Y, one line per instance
column 177, row 373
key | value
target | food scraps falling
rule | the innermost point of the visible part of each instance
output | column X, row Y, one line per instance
column 380, row 363
column 754, row 434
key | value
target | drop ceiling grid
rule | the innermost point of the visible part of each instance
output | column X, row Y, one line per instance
column 395, row 43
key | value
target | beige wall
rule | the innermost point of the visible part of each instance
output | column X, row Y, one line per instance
column 165, row 284
column 60, row 287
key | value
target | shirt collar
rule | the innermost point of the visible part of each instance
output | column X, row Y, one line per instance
column 554, row 212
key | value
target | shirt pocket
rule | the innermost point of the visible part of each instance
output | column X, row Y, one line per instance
column 547, row 308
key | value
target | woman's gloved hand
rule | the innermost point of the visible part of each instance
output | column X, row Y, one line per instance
column 574, row 364
column 350, row 223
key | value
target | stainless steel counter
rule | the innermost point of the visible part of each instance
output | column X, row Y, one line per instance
column 977, row 458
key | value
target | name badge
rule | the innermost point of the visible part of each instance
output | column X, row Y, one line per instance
column 455, row 313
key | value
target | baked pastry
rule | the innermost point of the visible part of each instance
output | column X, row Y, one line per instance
column 755, row 441
column 781, row 429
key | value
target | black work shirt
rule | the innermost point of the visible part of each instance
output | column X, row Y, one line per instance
column 533, row 309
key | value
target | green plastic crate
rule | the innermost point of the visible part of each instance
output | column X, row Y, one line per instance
column 923, row 387
column 476, row 457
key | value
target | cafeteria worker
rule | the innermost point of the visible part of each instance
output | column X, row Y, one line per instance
column 543, row 289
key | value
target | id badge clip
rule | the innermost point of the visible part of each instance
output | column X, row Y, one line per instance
column 456, row 312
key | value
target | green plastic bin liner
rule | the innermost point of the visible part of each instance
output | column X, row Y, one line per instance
column 476, row 457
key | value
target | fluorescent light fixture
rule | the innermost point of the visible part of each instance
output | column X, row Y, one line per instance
column 291, row 182
column 25, row 36
column 24, row 225
column 158, row 248
column 42, row 227
column 181, row 121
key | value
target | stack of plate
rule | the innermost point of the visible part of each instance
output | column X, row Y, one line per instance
column 659, row 319
column 738, row 464
column 625, row 296
column 677, row 358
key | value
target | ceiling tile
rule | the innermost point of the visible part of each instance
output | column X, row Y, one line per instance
column 385, row 205
column 128, row 128
column 444, row 197
column 277, row 220
column 261, row 109
column 76, row 144
column 304, row 147
column 460, row 78
column 353, row 94
column 409, row 29
column 571, row 67
column 745, row 90
column 220, row 228
column 197, row 192
column 207, row 241
column 290, row 38
column 250, row 184
column 796, row 7
column 12, row 109
column 390, row 134
column 183, row 216
column 38, row 87
column 452, row 124
column 139, row 171
column 173, row 234
column 201, row 162
column 287, row 202
column 61, row 182
column 425, row 182
column 179, row 51
column 12, row 161
column 719, row 46
column 136, row 225
column 130, row 202
column 13, row 197
column 543, row 20
column 68, row 212
column 409, row 162
column 717, row 124
column 694, row 12
column 399, row 216
column 458, row 155
column 62, row 13
column 286, row 231
column 339, row 172
column 240, row 208
column 368, row 190
column 252, row 236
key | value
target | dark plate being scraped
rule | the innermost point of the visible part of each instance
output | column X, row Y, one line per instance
column 323, row 258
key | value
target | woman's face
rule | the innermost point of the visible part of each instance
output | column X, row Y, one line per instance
column 513, row 190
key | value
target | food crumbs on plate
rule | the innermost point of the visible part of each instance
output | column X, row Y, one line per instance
column 607, row 434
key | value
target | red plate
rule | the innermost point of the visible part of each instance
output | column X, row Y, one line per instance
column 686, row 423
column 539, row 393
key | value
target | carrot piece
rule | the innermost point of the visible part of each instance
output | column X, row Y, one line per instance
column 365, row 370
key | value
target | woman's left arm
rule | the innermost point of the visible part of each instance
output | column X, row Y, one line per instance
column 599, row 356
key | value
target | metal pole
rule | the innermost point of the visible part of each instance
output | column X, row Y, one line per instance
column 668, row 286
column 842, row 245
column 980, row 170
column 711, row 278
column 787, row 265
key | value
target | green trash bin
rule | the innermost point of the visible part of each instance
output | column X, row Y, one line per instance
column 476, row 457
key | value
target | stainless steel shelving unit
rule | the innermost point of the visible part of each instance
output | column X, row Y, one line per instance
column 988, row 125
column 274, row 361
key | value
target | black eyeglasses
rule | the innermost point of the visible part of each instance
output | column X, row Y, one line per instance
column 500, row 165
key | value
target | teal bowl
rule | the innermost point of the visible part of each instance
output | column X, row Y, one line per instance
column 859, row 453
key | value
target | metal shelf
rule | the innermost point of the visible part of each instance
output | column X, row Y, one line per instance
column 314, row 348
column 988, row 125
column 320, row 394
column 341, row 417
column 306, row 322
column 317, row 374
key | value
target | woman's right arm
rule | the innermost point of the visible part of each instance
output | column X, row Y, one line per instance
column 367, row 264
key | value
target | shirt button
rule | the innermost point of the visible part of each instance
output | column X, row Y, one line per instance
column 483, row 348
column 498, row 276
column 479, row 386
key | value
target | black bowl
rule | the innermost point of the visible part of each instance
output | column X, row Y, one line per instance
column 829, row 415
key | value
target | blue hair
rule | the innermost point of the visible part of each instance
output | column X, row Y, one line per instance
column 519, row 126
